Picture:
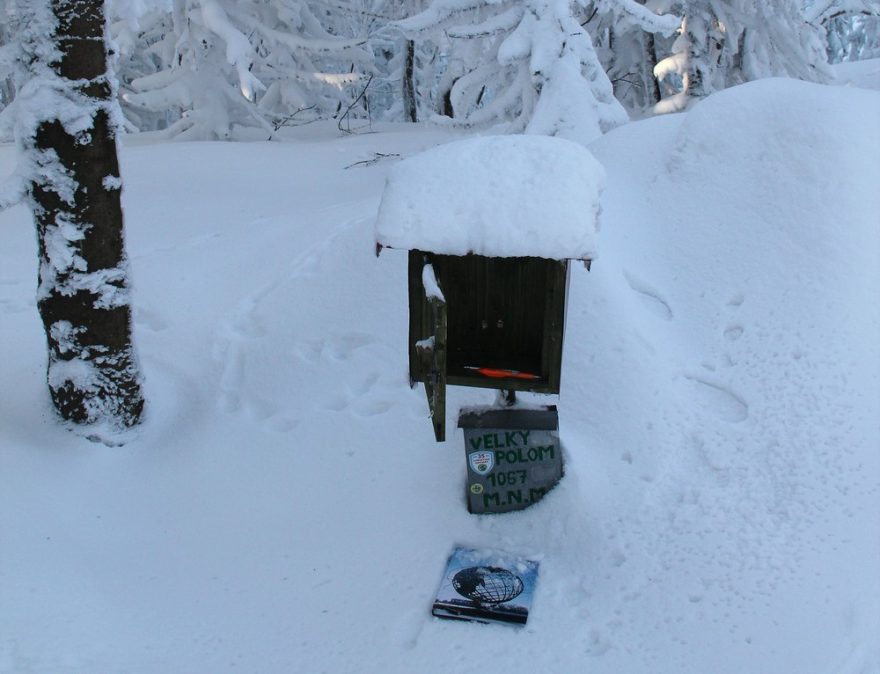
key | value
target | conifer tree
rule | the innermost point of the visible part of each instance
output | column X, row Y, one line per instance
column 628, row 36
column 524, row 66
column 852, row 27
column 223, row 64
column 727, row 42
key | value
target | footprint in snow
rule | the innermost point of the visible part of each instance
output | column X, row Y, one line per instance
column 337, row 403
column 727, row 405
column 365, row 386
column 372, row 408
column 733, row 332
column 11, row 307
column 149, row 319
column 344, row 346
column 338, row 348
column 649, row 297
column 284, row 423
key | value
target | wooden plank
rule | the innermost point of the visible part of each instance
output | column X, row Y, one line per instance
column 419, row 318
column 437, row 375
column 554, row 323
column 428, row 342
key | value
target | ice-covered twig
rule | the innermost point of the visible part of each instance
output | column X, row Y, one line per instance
column 351, row 107
column 377, row 157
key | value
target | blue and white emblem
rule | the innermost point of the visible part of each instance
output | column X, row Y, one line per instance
column 481, row 463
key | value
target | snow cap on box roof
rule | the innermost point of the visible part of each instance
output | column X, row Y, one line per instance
column 498, row 196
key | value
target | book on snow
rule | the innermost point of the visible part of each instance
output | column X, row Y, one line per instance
column 486, row 586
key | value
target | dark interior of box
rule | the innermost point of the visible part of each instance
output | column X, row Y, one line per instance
column 496, row 312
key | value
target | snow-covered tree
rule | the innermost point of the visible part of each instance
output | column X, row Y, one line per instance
column 727, row 42
column 822, row 11
column 66, row 125
column 853, row 37
column 852, row 27
column 520, row 66
column 405, row 67
column 8, row 51
column 628, row 36
column 226, row 63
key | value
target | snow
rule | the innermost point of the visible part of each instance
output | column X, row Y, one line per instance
column 864, row 74
column 429, row 282
column 537, row 70
column 285, row 507
column 639, row 15
column 239, row 51
column 455, row 199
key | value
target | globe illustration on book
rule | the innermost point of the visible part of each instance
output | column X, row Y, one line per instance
column 487, row 584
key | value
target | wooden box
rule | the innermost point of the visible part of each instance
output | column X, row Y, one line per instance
column 500, row 324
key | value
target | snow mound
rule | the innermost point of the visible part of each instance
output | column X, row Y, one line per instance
column 782, row 154
column 500, row 196
column 864, row 74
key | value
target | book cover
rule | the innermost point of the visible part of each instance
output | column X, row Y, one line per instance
column 486, row 586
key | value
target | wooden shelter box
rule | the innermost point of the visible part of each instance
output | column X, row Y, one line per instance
column 498, row 325
column 490, row 224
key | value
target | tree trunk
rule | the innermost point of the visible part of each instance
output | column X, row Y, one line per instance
column 696, row 30
column 83, row 296
column 654, row 95
column 410, row 111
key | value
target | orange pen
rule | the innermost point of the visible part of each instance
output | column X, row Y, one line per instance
column 496, row 373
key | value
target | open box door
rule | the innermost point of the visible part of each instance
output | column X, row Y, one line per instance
column 431, row 352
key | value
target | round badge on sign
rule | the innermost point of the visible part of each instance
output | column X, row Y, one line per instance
column 481, row 462
column 476, row 488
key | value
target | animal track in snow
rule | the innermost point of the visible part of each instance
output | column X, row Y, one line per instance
column 372, row 408
column 733, row 332
column 344, row 346
column 259, row 409
column 11, row 307
column 649, row 297
column 149, row 319
column 728, row 405
column 284, row 423
column 338, row 348
column 366, row 385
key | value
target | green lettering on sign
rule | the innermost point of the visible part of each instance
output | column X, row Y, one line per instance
column 536, row 494
column 491, row 499
column 521, row 466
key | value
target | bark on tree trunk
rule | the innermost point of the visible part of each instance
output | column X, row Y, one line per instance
column 654, row 94
column 93, row 373
column 694, row 77
column 410, row 111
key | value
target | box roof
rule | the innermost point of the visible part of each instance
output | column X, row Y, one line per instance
column 498, row 196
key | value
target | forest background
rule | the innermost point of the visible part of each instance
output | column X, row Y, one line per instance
column 227, row 69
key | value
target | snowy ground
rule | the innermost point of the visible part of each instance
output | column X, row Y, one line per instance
column 285, row 509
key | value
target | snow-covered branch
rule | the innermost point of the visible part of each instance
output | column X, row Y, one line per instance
column 823, row 11
column 635, row 14
column 537, row 71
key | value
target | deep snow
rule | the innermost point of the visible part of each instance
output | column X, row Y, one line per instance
column 454, row 200
column 285, row 509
